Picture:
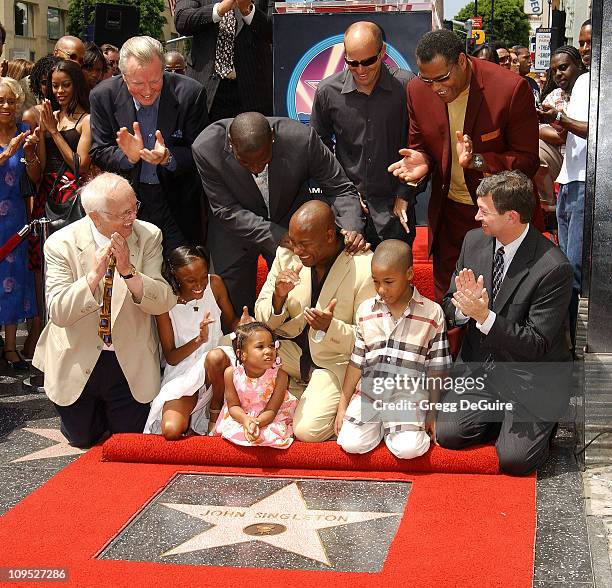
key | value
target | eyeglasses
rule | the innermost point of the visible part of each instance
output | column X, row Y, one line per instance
column 363, row 62
column 72, row 56
column 126, row 214
column 440, row 79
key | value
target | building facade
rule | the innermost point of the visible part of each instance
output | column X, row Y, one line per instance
column 33, row 27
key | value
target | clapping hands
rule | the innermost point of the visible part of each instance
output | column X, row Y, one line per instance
column 14, row 145
column 471, row 297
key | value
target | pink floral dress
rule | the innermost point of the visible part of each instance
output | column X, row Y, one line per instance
column 254, row 394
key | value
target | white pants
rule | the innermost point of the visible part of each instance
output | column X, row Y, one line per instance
column 365, row 437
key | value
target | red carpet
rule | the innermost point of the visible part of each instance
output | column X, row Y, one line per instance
column 457, row 530
column 215, row 451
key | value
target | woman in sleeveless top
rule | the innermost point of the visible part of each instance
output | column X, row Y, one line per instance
column 65, row 139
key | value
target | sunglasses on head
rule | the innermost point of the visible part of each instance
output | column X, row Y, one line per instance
column 72, row 56
column 363, row 62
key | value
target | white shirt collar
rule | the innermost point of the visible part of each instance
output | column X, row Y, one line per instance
column 511, row 248
column 99, row 238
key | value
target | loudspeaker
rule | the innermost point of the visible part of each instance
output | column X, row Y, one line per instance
column 558, row 26
column 115, row 23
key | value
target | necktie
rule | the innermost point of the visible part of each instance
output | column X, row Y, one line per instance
column 498, row 277
column 104, row 328
column 261, row 180
column 224, row 53
column 498, row 270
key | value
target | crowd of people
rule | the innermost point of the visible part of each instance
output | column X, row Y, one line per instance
column 166, row 190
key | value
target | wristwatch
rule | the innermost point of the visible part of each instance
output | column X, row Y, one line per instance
column 170, row 158
column 131, row 274
column 478, row 161
column 558, row 117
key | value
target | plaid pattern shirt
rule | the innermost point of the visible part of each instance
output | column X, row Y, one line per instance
column 413, row 347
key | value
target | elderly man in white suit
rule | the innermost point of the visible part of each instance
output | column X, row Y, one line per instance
column 101, row 365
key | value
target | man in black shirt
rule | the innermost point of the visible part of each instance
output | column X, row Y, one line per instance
column 361, row 115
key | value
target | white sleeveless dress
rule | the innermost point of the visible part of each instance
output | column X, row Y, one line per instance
column 188, row 377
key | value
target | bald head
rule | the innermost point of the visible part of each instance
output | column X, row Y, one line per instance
column 363, row 32
column 314, row 216
column 364, row 52
column 393, row 254
column 71, row 48
column 312, row 230
column 250, row 131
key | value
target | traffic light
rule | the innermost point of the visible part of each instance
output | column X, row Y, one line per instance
column 470, row 43
column 447, row 24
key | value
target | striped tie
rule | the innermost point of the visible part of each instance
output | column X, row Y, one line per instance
column 498, row 278
column 104, row 328
column 498, row 271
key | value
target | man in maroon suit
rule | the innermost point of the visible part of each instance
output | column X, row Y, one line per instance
column 468, row 118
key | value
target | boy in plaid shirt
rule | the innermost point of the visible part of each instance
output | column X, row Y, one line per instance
column 401, row 339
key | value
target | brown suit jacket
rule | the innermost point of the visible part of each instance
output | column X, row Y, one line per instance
column 500, row 119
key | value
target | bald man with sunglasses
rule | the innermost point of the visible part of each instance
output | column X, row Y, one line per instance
column 468, row 118
column 360, row 114
column 71, row 48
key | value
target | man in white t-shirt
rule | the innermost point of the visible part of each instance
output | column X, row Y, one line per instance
column 571, row 179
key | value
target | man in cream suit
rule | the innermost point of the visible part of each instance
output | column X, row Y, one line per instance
column 103, row 383
column 310, row 299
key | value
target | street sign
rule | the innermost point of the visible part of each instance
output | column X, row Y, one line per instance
column 479, row 36
column 533, row 7
column 477, row 22
column 542, row 49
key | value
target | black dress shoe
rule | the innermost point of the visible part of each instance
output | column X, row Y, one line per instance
column 21, row 365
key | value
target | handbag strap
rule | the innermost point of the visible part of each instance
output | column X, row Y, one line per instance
column 58, row 177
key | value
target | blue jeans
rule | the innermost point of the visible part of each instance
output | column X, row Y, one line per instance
column 570, row 220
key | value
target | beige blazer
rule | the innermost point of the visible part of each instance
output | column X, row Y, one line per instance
column 69, row 346
column 349, row 281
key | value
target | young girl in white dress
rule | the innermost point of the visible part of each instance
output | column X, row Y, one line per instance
column 192, row 388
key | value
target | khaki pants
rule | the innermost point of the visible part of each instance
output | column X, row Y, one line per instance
column 318, row 401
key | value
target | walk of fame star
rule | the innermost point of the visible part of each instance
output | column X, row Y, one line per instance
column 281, row 519
column 60, row 449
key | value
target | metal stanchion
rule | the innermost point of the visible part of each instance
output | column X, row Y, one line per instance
column 39, row 227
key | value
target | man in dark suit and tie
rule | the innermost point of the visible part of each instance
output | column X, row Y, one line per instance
column 231, row 53
column 143, row 124
column 254, row 170
column 512, row 287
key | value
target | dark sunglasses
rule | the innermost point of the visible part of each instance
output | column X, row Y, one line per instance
column 440, row 79
column 364, row 62
column 72, row 56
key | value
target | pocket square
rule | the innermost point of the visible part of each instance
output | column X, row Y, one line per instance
column 490, row 136
column 178, row 134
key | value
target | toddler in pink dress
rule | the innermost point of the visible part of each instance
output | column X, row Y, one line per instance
column 258, row 408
